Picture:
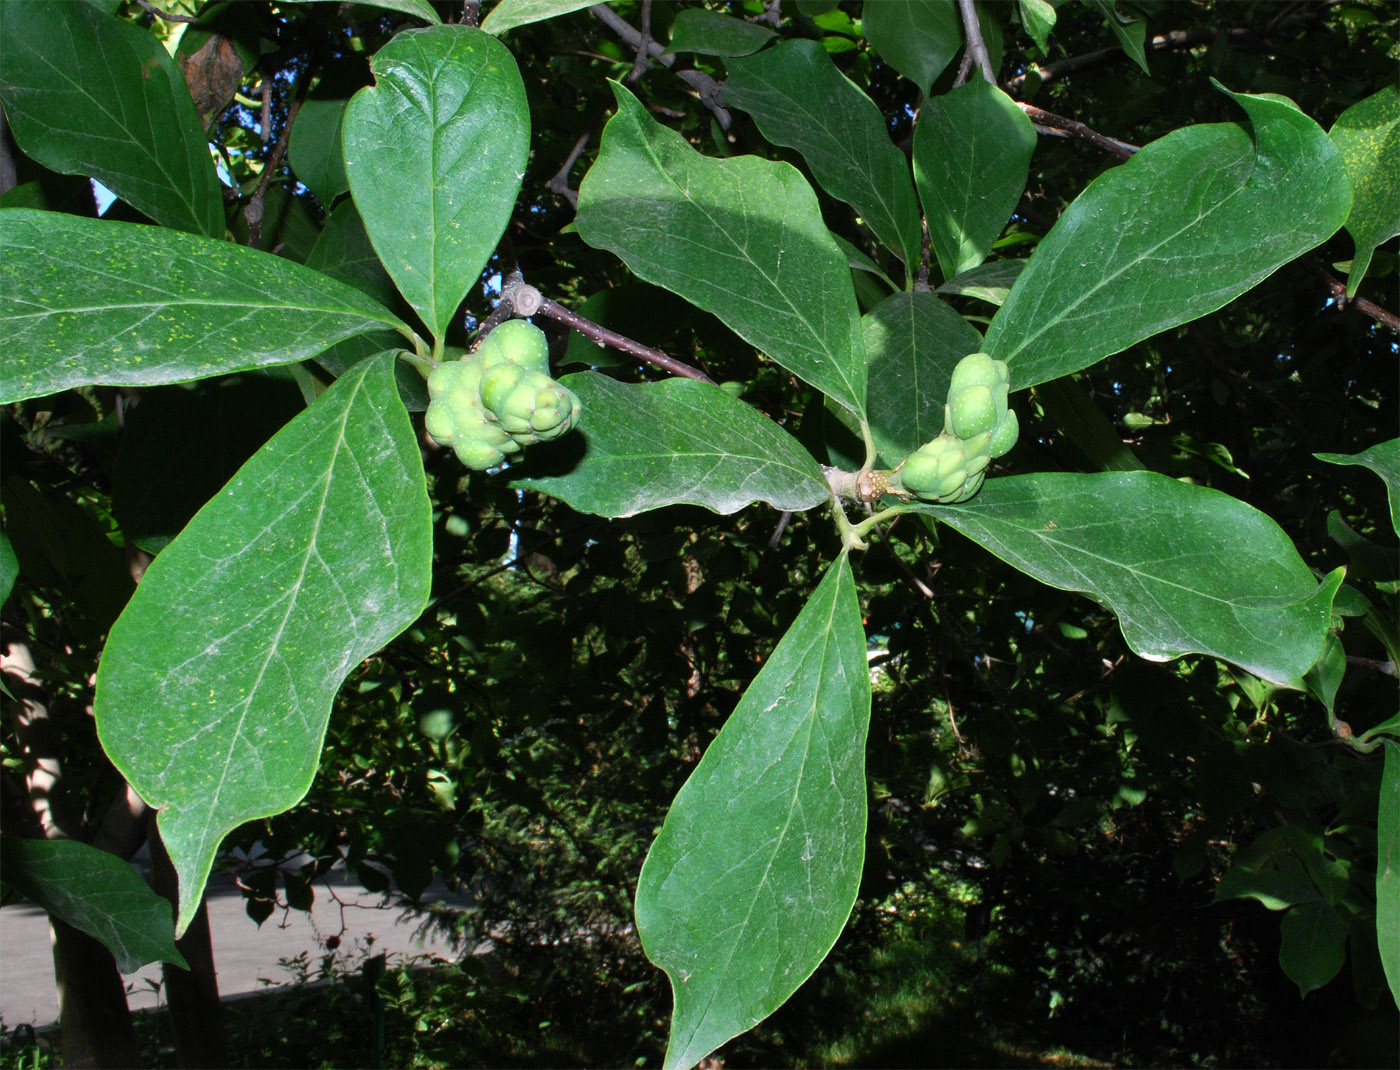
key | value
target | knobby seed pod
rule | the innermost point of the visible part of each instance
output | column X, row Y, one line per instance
column 976, row 396
column 515, row 342
column 500, row 399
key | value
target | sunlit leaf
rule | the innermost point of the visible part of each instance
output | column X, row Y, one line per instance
column 1170, row 235
column 800, row 100
column 435, row 151
column 1186, row 569
column 1368, row 136
column 645, row 446
column 742, row 238
column 88, row 94
column 216, row 683
column 508, row 14
column 87, row 301
column 756, row 868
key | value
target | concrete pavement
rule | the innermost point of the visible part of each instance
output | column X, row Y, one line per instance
column 246, row 956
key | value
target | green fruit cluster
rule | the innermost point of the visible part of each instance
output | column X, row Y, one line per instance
column 495, row 402
column 978, row 427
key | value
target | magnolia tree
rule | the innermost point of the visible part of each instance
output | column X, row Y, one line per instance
column 216, row 681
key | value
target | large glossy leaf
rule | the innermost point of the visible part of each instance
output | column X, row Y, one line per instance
column 799, row 99
column 1368, row 136
column 216, row 682
column 645, row 446
column 96, row 892
column 972, row 153
column 1186, row 569
column 1384, row 459
column 1388, row 868
column 1170, row 235
column 87, row 301
column 508, row 14
column 87, row 94
column 435, row 152
column 755, row 871
column 918, row 38
column 913, row 341
column 742, row 238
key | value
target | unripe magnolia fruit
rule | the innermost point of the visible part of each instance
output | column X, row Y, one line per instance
column 973, row 411
column 515, row 342
column 1004, row 437
column 976, row 395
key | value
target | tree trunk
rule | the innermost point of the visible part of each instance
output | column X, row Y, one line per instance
column 192, row 995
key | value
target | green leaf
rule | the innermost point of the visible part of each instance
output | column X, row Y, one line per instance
column 87, row 301
column 1325, row 677
column 801, row 101
column 713, row 34
column 742, row 238
column 1384, row 459
column 1278, row 882
column 1388, row 868
column 216, row 683
column 1313, row 949
column 918, row 38
column 508, row 14
column 96, row 892
column 314, row 148
column 913, row 341
column 1038, row 17
column 87, row 94
column 756, row 868
column 9, row 567
column 343, row 251
column 435, row 152
column 1368, row 136
column 990, row 282
column 1131, row 32
column 972, row 153
column 645, row 446
column 1171, row 235
column 1186, row 569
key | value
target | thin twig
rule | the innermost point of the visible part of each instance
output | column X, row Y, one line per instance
column 1164, row 42
column 166, row 15
column 1339, row 295
column 559, row 184
column 265, row 118
column 605, row 337
column 1048, row 122
column 641, row 64
column 253, row 212
column 976, row 47
column 525, row 300
column 711, row 95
